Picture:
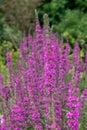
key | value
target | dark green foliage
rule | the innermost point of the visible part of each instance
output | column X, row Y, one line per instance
column 69, row 19
column 81, row 4
column 54, row 8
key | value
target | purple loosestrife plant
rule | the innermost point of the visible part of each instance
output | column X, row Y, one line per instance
column 43, row 92
column 73, row 105
column 49, row 82
column 77, row 63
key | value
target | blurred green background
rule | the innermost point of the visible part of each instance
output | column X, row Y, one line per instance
column 17, row 17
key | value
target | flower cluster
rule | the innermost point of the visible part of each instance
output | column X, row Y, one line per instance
column 43, row 91
column 73, row 105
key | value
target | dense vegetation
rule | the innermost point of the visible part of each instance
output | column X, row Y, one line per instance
column 68, row 18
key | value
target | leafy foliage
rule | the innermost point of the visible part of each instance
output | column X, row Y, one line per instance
column 69, row 19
